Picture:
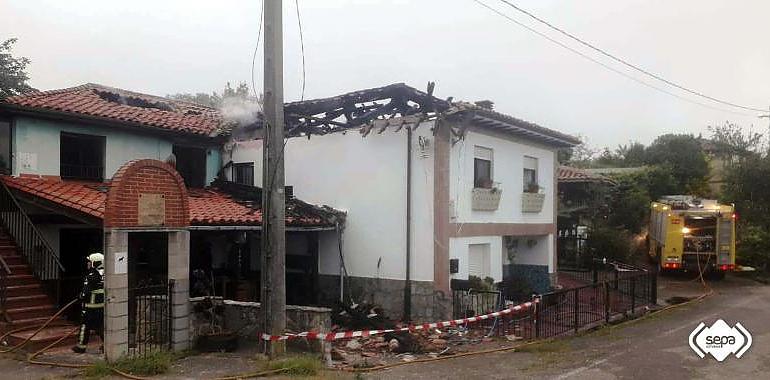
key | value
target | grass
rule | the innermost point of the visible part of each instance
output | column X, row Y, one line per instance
column 304, row 365
column 154, row 363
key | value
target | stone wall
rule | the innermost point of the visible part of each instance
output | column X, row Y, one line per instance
column 243, row 318
column 427, row 304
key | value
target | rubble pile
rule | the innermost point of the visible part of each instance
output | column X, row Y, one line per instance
column 365, row 352
column 393, row 347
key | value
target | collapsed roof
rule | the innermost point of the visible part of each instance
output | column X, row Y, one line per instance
column 317, row 116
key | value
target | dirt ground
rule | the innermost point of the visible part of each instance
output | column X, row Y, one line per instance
column 654, row 347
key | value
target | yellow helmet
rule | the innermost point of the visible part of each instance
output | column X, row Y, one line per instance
column 96, row 259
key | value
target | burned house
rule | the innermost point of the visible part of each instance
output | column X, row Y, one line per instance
column 100, row 169
column 434, row 191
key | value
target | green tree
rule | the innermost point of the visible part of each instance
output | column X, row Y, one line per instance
column 215, row 99
column 13, row 71
column 634, row 154
column 731, row 141
column 683, row 155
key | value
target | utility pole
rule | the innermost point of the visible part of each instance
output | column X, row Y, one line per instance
column 273, row 292
column 768, row 131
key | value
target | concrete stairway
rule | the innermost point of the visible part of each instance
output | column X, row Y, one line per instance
column 27, row 303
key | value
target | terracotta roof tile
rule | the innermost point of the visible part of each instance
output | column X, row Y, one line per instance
column 207, row 206
column 569, row 174
column 94, row 100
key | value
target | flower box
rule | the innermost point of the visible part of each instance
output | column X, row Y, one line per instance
column 532, row 202
column 486, row 199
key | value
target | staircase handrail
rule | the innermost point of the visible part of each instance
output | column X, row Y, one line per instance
column 30, row 231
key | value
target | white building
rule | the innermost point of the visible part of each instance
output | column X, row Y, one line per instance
column 470, row 194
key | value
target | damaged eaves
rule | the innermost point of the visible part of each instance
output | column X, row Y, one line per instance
column 360, row 108
column 251, row 197
column 399, row 105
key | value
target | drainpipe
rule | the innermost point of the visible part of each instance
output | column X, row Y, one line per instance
column 408, row 285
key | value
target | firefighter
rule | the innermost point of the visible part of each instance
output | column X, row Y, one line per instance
column 92, row 302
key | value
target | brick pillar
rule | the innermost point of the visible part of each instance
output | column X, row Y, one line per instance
column 179, row 271
column 116, row 299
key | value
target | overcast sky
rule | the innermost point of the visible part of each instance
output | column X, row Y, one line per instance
column 719, row 47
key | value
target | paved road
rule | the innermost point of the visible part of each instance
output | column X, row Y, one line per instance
column 652, row 348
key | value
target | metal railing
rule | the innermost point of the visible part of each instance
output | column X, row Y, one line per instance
column 5, row 271
column 569, row 310
column 86, row 172
column 615, row 290
column 470, row 302
column 149, row 320
column 30, row 243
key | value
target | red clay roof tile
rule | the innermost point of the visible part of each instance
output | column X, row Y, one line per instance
column 95, row 100
column 207, row 206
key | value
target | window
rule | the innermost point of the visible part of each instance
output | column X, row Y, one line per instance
column 482, row 168
column 243, row 173
column 81, row 157
column 478, row 260
column 191, row 165
column 530, row 175
column 5, row 147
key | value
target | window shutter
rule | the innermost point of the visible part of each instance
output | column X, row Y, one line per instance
column 530, row 163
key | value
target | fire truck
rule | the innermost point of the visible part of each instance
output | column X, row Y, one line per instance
column 691, row 234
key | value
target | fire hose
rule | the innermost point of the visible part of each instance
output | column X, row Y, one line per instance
column 32, row 358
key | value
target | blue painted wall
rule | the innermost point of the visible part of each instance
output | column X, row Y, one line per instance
column 36, row 142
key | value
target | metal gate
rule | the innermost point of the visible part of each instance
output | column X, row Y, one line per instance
column 149, row 318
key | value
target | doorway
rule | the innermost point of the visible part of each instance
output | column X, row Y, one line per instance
column 149, row 292
column 75, row 244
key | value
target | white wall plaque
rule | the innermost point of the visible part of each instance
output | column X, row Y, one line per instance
column 121, row 262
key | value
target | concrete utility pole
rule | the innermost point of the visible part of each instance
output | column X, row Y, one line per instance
column 273, row 300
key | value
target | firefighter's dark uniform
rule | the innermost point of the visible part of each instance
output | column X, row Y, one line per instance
column 92, row 311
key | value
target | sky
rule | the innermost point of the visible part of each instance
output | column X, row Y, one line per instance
column 717, row 47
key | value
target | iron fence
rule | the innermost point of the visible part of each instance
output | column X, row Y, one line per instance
column 569, row 310
column 150, row 316
column 622, row 291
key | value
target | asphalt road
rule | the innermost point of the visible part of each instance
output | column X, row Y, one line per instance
column 652, row 348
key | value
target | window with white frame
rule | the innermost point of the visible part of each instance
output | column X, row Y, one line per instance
column 530, row 175
column 478, row 260
column 482, row 167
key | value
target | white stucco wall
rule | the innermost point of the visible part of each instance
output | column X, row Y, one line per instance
column 527, row 253
column 507, row 170
column 459, row 248
column 40, row 138
column 365, row 176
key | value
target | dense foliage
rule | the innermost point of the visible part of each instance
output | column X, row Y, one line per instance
column 13, row 71
column 679, row 164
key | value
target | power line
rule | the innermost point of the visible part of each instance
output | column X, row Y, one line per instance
column 302, row 46
column 628, row 64
column 606, row 66
column 254, row 56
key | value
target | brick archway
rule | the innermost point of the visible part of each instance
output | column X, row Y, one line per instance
column 145, row 196
column 147, row 193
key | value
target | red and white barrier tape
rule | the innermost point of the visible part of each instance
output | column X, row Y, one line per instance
column 425, row 326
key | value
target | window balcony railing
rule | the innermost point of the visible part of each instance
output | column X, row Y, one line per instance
column 88, row 172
